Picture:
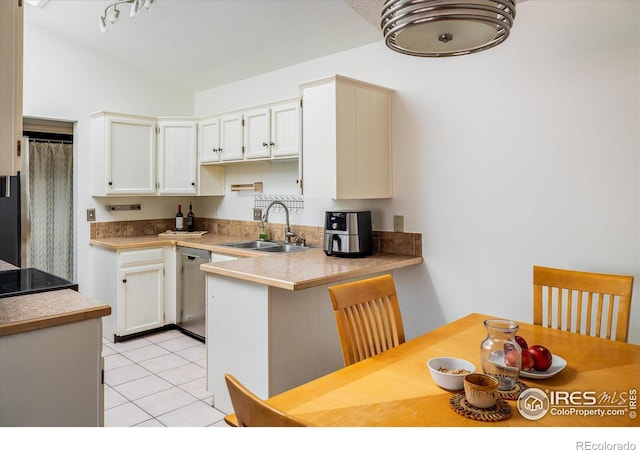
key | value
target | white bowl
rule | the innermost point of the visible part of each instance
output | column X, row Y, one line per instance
column 449, row 381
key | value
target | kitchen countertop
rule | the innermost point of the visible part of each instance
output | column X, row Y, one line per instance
column 291, row 271
column 46, row 309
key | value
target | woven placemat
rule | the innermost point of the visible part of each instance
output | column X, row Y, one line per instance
column 514, row 393
column 500, row 411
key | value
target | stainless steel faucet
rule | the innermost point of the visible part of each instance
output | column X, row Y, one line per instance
column 287, row 231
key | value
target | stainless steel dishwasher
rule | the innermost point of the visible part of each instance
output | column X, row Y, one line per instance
column 190, row 291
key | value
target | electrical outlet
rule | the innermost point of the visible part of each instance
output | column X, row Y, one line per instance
column 257, row 213
column 398, row 224
column 91, row 215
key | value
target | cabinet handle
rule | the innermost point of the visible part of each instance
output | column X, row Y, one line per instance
column 193, row 183
column 264, row 144
column 271, row 144
column 124, row 281
column 110, row 183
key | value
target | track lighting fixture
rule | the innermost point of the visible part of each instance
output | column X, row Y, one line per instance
column 112, row 12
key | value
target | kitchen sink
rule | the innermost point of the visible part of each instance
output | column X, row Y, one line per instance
column 266, row 246
column 283, row 248
column 251, row 244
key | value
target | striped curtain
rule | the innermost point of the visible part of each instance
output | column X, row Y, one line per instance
column 51, row 207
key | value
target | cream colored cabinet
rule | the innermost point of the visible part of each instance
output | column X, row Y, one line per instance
column 124, row 154
column 346, row 136
column 209, row 140
column 285, row 130
column 257, row 130
column 231, row 137
column 177, row 155
column 53, row 377
column 140, row 290
column 272, row 132
column 11, row 38
column 139, row 285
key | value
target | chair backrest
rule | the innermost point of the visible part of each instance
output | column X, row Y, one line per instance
column 251, row 411
column 368, row 317
column 582, row 302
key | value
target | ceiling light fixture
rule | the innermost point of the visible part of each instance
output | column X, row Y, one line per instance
column 446, row 27
column 115, row 12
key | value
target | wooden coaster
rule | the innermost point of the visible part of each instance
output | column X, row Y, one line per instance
column 500, row 411
column 514, row 393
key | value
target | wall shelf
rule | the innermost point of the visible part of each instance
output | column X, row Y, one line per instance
column 257, row 186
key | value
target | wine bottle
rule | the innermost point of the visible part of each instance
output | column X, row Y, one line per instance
column 179, row 219
column 191, row 218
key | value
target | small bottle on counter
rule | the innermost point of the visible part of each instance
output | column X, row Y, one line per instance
column 263, row 232
column 191, row 218
column 179, row 219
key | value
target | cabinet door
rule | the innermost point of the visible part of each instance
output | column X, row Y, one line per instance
column 257, row 128
column 284, row 130
column 11, row 24
column 177, row 158
column 140, row 298
column 130, row 146
column 231, row 138
column 209, row 140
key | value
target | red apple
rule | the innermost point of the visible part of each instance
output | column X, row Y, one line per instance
column 521, row 342
column 526, row 360
column 542, row 357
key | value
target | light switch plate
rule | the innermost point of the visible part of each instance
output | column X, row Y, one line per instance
column 257, row 213
column 91, row 215
column 398, row 224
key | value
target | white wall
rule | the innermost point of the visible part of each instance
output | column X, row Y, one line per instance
column 524, row 154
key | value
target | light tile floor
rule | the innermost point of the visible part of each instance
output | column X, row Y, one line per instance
column 157, row 381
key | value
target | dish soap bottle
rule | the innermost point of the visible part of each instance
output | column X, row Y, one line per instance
column 263, row 232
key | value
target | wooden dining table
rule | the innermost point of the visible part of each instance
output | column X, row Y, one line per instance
column 597, row 388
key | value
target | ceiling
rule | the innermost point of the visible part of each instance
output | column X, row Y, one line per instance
column 199, row 44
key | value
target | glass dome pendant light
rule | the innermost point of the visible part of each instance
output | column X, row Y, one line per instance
column 436, row 28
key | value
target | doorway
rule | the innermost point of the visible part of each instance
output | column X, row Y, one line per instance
column 48, row 197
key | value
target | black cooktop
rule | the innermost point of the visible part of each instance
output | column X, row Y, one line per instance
column 30, row 281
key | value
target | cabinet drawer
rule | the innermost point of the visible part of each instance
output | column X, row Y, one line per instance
column 141, row 256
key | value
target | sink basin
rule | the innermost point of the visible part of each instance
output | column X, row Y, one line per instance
column 251, row 244
column 266, row 246
column 283, row 248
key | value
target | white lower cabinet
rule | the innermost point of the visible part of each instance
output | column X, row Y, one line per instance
column 52, row 377
column 139, row 285
column 140, row 298
column 269, row 338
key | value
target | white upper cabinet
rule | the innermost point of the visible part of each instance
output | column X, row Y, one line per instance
column 231, row 136
column 11, row 27
column 124, row 154
column 346, row 136
column 257, row 128
column 285, row 130
column 209, row 140
column 177, row 157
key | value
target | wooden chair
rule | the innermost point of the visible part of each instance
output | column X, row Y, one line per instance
column 570, row 300
column 250, row 411
column 368, row 317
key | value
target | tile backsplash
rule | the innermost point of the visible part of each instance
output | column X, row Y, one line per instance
column 408, row 244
